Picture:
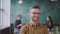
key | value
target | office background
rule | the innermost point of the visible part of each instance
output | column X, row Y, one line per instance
column 48, row 8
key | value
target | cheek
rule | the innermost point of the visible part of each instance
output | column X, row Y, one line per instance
column 39, row 16
column 31, row 15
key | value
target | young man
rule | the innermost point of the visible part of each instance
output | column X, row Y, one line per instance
column 34, row 27
column 16, row 27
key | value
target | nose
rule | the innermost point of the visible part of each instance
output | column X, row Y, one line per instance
column 37, row 15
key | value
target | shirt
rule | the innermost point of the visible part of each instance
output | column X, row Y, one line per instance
column 33, row 29
column 17, row 22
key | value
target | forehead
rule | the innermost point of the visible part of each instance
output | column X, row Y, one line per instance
column 35, row 10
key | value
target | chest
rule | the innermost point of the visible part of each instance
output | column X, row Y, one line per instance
column 35, row 30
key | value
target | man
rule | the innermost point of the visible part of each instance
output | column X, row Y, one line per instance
column 34, row 27
column 17, row 23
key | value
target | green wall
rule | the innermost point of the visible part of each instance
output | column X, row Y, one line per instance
column 48, row 8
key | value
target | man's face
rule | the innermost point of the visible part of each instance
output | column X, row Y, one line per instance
column 34, row 14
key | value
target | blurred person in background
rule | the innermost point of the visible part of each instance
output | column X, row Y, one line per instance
column 49, row 23
column 16, row 25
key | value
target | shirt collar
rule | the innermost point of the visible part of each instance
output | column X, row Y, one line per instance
column 32, row 23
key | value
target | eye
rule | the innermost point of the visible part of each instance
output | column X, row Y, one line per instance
column 38, row 13
column 34, row 12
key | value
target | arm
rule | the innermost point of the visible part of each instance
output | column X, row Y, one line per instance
column 23, row 30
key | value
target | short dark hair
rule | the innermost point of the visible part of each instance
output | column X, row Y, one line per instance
column 35, row 6
column 20, row 16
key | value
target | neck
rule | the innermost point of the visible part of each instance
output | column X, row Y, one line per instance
column 34, row 23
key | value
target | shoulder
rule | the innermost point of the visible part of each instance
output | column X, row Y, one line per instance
column 25, row 26
column 43, row 26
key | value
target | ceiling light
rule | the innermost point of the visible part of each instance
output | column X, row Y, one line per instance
column 20, row 1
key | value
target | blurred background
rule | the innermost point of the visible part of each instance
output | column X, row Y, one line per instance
column 48, row 8
column 10, row 9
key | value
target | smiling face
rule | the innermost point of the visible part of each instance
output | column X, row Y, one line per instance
column 34, row 14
